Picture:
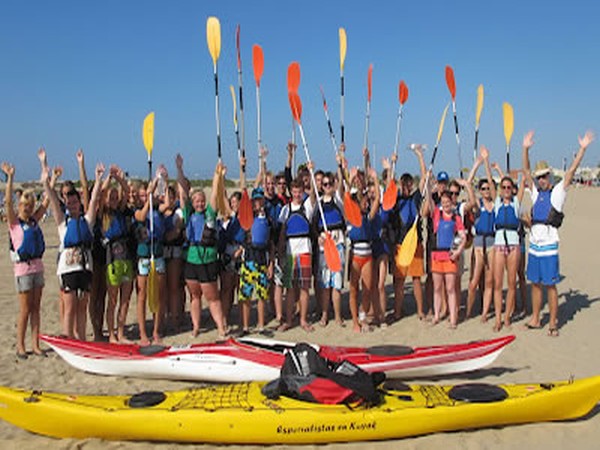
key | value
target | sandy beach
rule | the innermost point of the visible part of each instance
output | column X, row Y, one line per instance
column 532, row 357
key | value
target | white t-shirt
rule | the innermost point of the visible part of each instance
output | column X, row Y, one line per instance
column 297, row 246
column 542, row 234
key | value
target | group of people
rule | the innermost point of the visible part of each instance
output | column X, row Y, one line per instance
column 269, row 245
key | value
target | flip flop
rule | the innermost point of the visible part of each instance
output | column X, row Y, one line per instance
column 22, row 356
column 528, row 326
column 553, row 332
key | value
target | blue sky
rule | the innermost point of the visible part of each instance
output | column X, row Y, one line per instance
column 84, row 74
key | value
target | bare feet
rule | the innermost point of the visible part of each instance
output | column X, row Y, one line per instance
column 497, row 327
column 284, row 327
column 307, row 327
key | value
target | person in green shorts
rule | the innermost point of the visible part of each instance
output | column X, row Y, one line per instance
column 202, row 262
column 115, row 226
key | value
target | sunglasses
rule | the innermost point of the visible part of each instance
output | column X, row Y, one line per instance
column 326, row 184
column 455, row 194
column 484, row 189
column 507, row 186
column 542, row 176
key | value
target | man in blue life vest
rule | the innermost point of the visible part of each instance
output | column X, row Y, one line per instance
column 546, row 218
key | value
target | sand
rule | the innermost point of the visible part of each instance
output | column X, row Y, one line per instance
column 532, row 357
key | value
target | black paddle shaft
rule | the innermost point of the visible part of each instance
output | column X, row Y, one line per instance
column 217, row 115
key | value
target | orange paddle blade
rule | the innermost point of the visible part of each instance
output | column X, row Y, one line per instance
column 451, row 82
column 332, row 256
column 237, row 46
column 408, row 247
column 403, row 92
column 370, row 82
column 258, row 62
column 352, row 211
column 293, row 77
column 295, row 106
column 245, row 213
column 390, row 195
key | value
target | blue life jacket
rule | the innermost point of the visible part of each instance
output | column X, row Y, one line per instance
column 506, row 218
column 159, row 226
column 117, row 228
column 273, row 207
column 235, row 232
column 33, row 245
column 484, row 224
column 297, row 225
column 543, row 212
column 364, row 233
column 444, row 235
column 198, row 232
column 78, row 233
column 334, row 217
column 260, row 232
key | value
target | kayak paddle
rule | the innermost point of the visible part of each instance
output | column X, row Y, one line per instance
column 332, row 257
column 452, row 88
column 351, row 208
column 391, row 193
column 509, row 126
column 478, row 118
column 368, row 114
column 148, row 138
column 213, row 39
column 343, row 43
column 245, row 213
column 258, row 63
column 409, row 244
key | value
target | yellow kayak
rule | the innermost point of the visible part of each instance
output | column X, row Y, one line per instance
column 240, row 413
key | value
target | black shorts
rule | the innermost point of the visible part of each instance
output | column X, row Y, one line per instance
column 203, row 273
column 80, row 280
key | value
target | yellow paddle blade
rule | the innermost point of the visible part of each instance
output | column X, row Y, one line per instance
column 234, row 105
column 342, row 48
column 213, row 38
column 221, row 196
column 148, row 133
column 441, row 129
column 152, row 289
column 509, row 121
column 408, row 247
column 479, row 105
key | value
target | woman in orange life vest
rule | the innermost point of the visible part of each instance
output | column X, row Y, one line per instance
column 507, row 251
column 361, row 265
column 448, row 242
column 27, row 248
column 483, row 242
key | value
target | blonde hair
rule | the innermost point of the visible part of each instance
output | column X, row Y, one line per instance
column 28, row 196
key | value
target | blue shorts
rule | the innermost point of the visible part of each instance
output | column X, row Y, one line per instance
column 144, row 266
column 543, row 269
column 327, row 278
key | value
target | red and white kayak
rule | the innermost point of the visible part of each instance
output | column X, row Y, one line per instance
column 253, row 359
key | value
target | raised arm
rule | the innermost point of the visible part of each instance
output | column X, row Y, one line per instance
column 92, row 211
column 584, row 142
column 214, row 192
column 366, row 159
column 485, row 154
column 57, row 212
column 9, row 171
column 181, row 181
column 83, row 179
column 527, row 144
column 141, row 214
column 418, row 149
column 375, row 205
column 119, row 176
column 521, row 190
column 288, row 173
column 498, row 169
column 262, row 168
